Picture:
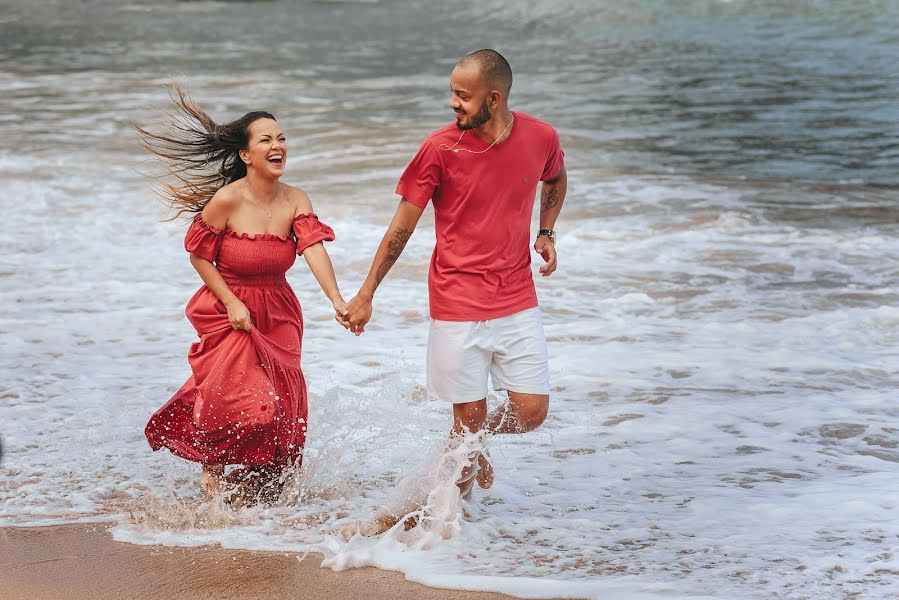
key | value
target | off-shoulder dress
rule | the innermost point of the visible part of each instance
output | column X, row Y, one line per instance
column 245, row 402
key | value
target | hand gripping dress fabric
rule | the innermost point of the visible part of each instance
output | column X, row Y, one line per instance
column 245, row 401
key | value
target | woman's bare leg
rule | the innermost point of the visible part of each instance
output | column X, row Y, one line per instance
column 211, row 479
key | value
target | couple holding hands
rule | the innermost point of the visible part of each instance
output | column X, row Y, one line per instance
column 245, row 403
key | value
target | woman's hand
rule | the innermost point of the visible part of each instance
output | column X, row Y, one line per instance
column 340, row 311
column 239, row 316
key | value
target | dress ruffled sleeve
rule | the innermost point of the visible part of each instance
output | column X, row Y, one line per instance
column 203, row 239
column 309, row 230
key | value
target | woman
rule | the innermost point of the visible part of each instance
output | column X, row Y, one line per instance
column 246, row 400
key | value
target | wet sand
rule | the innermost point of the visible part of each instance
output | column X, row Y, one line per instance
column 83, row 561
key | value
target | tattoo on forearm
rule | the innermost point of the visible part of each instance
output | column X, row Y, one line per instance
column 394, row 249
column 549, row 198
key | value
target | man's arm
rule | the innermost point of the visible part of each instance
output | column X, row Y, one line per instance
column 392, row 244
column 552, row 195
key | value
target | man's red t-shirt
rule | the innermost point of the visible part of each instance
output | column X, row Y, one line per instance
column 481, row 266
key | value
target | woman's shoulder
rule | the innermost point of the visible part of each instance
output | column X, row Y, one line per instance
column 299, row 199
column 229, row 195
column 221, row 206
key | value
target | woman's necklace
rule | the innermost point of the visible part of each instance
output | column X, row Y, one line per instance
column 499, row 137
column 267, row 211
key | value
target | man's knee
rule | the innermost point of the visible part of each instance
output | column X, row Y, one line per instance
column 531, row 411
column 535, row 415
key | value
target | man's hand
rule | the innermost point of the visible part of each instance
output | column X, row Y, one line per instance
column 547, row 250
column 358, row 313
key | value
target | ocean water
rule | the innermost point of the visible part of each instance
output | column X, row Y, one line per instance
column 722, row 327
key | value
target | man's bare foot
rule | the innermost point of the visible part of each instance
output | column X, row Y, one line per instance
column 485, row 471
column 466, row 485
column 481, row 471
column 411, row 521
column 211, row 480
column 378, row 524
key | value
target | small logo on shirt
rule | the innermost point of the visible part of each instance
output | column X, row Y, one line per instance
column 526, row 180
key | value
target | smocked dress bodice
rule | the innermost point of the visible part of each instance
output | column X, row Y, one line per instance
column 260, row 259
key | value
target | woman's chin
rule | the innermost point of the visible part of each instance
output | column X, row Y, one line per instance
column 272, row 171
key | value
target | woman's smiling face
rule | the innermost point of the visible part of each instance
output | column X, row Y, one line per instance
column 266, row 150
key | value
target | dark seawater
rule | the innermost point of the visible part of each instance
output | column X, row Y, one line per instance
column 764, row 90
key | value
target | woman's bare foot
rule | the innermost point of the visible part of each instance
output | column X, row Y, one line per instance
column 485, row 471
column 237, row 475
column 211, row 480
column 259, row 484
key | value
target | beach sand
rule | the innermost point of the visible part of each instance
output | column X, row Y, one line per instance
column 83, row 561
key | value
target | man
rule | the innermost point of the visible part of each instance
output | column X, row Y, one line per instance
column 481, row 174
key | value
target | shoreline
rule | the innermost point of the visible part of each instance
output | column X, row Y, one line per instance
column 82, row 561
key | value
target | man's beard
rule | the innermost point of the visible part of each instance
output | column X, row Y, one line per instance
column 476, row 121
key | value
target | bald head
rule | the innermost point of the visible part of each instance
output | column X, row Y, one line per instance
column 493, row 68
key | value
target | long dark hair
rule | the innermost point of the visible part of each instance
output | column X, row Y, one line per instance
column 199, row 154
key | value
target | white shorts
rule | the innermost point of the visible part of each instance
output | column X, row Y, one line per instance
column 512, row 350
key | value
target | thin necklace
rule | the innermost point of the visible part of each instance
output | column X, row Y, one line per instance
column 454, row 149
column 259, row 206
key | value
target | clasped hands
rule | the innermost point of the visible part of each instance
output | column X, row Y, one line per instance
column 355, row 314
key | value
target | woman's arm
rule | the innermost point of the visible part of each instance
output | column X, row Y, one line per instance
column 320, row 264
column 216, row 213
column 318, row 260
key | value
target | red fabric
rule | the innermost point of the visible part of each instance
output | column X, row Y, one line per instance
column 203, row 239
column 309, row 230
column 245, row 402
column 483, row 203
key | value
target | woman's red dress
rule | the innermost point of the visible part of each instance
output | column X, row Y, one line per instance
column 246, row 400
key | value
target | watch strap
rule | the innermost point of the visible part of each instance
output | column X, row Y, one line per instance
column 550, row 233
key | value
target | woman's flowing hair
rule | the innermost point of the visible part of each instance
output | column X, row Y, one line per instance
column 199, row 154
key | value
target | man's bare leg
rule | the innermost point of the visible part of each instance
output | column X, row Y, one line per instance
column 469, row 416
column 521, row 414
